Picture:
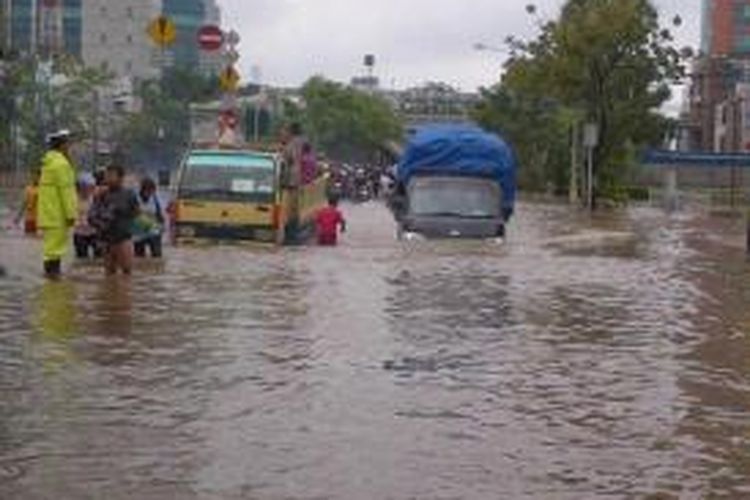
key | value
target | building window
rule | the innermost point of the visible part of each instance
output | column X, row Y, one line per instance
column 131, row 16
column 105, row 66
column 103, row 38
column 103, row 10
column 130, row 39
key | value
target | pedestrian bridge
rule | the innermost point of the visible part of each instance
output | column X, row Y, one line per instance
column 722, row 174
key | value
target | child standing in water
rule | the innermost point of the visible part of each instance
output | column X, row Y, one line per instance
column 113, row 217
column 28, row 209
column 328, row 222
column 150, row 223
column 84, row 234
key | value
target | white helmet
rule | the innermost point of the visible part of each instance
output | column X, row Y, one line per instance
column 59, row 136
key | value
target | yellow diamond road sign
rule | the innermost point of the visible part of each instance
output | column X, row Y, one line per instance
column 229, row 79
column 162, row 31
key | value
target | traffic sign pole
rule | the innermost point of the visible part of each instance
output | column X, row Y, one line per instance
column 163, row 32
column 590, row 141
column 229, row 80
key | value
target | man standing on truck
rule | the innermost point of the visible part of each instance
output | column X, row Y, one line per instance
column 293, row 143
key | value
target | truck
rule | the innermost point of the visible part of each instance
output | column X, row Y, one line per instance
column 454, row 181
column 240, row 195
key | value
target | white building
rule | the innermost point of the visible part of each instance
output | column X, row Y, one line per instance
column 115, row 39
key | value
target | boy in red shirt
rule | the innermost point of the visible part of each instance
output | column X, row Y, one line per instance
column 328, row 221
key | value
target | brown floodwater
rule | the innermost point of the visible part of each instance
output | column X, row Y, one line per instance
column 587, row 358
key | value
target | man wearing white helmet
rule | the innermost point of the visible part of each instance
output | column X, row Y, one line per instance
column 58, row 202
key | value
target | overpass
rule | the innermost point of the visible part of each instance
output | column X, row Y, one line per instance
column 699, row 170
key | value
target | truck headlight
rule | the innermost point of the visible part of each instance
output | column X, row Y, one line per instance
column 411, row 236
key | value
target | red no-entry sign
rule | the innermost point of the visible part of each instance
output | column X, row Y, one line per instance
column 210, row 38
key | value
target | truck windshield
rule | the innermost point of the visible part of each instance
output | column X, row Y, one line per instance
column 476, row 198
column 229, row 178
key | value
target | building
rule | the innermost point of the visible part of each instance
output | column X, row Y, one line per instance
column 188, row 16
column 72, row 27
column 732, row 122
column 434, row 102
column 709, row 87
column 20, row 16
column 726, row 28
column 716, row 120
column 47, row 27
column 369, row 83
column 3, row 28
column 114, row 37
column 429, row 103
column 109, row 34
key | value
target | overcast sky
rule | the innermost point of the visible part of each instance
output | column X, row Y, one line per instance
column 414, row 40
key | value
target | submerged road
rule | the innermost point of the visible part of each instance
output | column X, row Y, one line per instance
column 585, row 359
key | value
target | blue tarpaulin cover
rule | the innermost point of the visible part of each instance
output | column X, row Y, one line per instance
column 463, row 151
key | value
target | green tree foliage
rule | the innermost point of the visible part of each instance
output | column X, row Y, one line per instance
column 347, row 123
column 38, row 101
column 605, row 61
column 538, row 128
column 158, row 134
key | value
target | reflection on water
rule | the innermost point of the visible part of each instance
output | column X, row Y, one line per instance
column 55, row 323
column 589, row 358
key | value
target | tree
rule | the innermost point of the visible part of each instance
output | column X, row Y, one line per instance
column 611, row 63
column 158, row 134
column 345, row 122
column 538, row 128
column 41, row 96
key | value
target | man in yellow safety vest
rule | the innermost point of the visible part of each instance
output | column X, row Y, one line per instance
column 58, row 202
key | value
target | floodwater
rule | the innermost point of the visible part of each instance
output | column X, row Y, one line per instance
column 586, row 359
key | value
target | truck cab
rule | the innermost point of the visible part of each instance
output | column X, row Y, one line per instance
column 454, row 182
column 452, row 207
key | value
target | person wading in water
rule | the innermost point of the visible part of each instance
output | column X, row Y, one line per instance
column 58, row 202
